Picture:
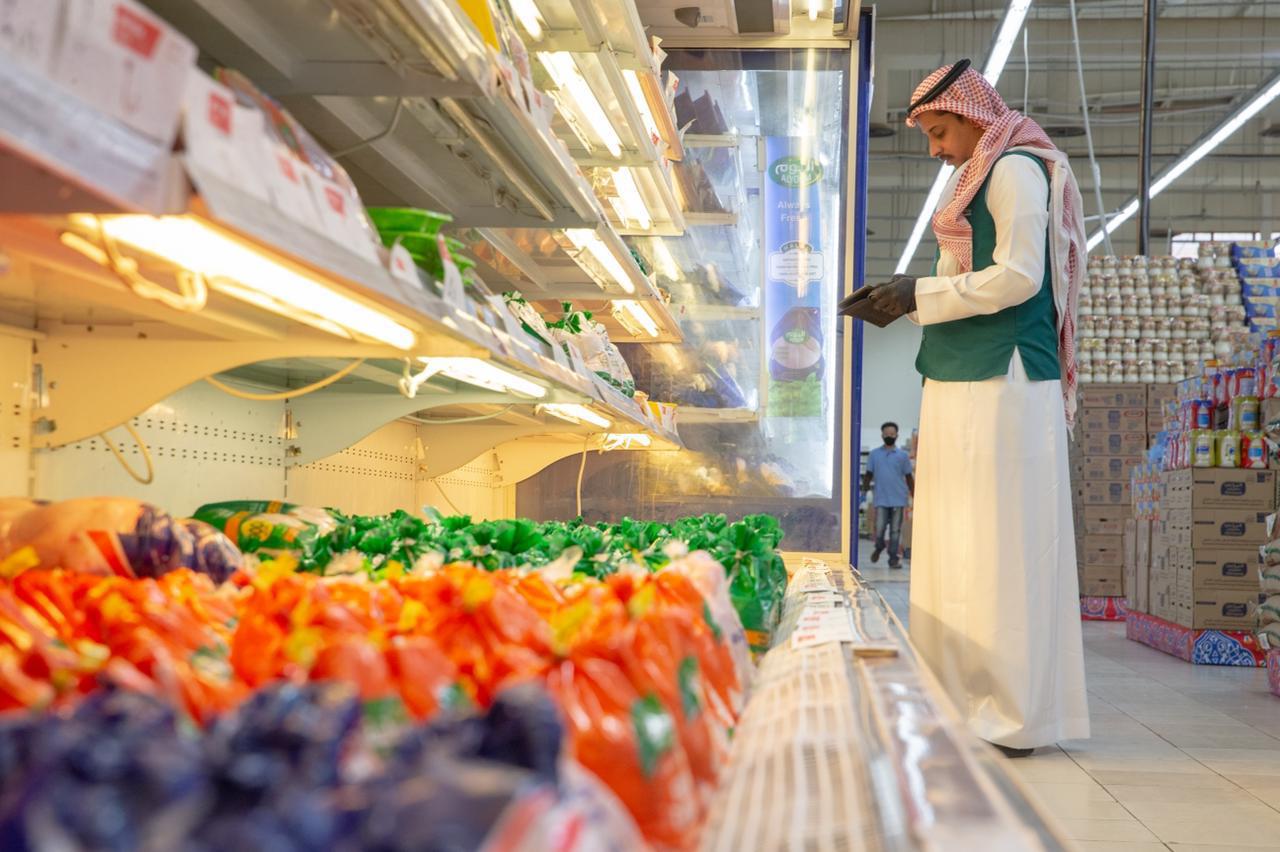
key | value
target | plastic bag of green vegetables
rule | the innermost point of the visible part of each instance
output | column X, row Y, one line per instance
column 530, row 319
column 272, row 528
column 598, row 351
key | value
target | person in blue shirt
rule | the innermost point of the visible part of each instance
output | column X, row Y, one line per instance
column 889, row 468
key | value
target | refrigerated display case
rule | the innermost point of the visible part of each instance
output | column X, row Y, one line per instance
column 180, row 328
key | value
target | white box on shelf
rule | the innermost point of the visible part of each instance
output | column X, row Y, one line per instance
column 222, row 137
column 29, row 32
column 122, row 59
column 340, row 215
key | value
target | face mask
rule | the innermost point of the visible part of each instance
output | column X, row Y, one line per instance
column 889, row 442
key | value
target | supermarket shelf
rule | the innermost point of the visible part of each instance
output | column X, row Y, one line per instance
column 891, row 766
column 712, row 140
column 329, row 62
column 109, row 353
column 711, row 219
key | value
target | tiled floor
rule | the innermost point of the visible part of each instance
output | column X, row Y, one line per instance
column 1183, row 758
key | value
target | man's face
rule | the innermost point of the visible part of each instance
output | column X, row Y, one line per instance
column 952, row 138
column 889, row 434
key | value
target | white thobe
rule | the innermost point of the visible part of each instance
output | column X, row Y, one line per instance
column 995, row 608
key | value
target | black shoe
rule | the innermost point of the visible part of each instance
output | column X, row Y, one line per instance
column 875, row 555
column 895, row 566
column 1014, row 753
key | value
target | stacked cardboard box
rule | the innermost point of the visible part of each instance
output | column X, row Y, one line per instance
column 1114, row 426
column 1148, row 549
column 1214, row 521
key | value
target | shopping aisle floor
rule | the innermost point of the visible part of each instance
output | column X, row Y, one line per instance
column 1182, row 757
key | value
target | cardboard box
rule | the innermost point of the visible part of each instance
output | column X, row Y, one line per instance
column 1106, row 494
column 1220, row 488
column 1158, row 395
column 1104, row 520
column 1225, row 570
column 1113, row 396
column 126, row 61
column 1129, row 545
column 1113, row 420
column 1226, row 529
column 1102, row 581
column 1139, row 593
column 1107, row 468
column 1270, row 410
column 1102, row 551
column 1223, row 609
column 1113, row 443
column 1142, row 543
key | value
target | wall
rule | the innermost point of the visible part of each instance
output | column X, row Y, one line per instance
column 890, row 384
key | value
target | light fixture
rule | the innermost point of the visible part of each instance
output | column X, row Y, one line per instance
column 632, row 201
column 574, row 413
column 526, row 12
column 482, row 374
column 665, row 260
column 1010, row 26
column 589, row 241
column 815, row 7
column 634, row 317
column 642, row 105
column 564, row 71
column 234, row 268
column 625, row 440
column 1215, row 137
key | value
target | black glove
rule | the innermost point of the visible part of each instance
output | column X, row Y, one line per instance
column 896, row 297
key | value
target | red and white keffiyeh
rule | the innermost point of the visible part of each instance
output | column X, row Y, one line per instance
column 976, row 99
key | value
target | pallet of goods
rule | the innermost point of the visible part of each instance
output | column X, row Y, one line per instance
column 1209, row 508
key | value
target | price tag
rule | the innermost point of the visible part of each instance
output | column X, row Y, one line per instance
column 819, row 627
column 284, row 179
column 519, row 337
column 455, row 292
column 824, row 599
column 340, row 215
column 811, row 580
column 221, row 136
column 579, row 363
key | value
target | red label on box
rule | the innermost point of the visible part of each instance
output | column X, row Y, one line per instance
column 134, row 32
column 220, row 113
column 286, row 168
column 335, row 200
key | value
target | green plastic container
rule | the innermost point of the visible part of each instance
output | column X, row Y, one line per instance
column 407, row 220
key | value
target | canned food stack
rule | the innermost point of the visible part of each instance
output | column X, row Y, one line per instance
column 1155, row 320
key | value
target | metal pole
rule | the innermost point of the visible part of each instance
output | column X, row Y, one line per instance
column 1149, row 12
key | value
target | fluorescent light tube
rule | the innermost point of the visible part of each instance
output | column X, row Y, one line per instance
column 642, row 105
column 922, row 221
column 483, row 374
column 574, row 413
column 564, row 71
column 196, row 246
column 632, row 200
column 589, row 241
column 1005, row 38
column 634, row 315
column 815, row 6
column 1264, row 96
column 665, row 260
column 526, row 12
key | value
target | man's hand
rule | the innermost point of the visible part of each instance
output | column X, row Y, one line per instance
column 896, row 297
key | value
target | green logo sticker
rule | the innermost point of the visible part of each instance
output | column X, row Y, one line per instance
column 792, row 172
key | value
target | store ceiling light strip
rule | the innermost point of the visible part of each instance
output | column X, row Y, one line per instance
column 196, row 246
column 1215, row 137
column 632, row 201
column 574, row 413
column 526, row 12
column 589, row 241
column 642, row 104
column 636, row 316
column 483, row 374
column 1005, row 38
column 568, row 78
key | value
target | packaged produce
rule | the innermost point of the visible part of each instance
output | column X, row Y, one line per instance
column 1228, row 448
column 530, row 319
column 1253, row 450
column 109, row 535
column 592, row 339
column 269, row 528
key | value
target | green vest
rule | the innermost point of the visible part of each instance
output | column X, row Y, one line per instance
column 981, row 347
